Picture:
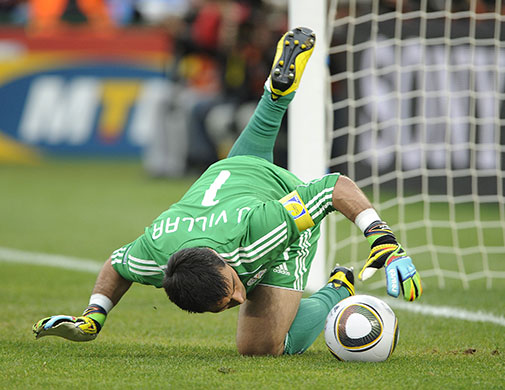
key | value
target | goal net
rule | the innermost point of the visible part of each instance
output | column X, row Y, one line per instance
column 417, row 119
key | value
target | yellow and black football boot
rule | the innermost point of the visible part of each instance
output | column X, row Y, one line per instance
column 342, row 277
column 293, row 51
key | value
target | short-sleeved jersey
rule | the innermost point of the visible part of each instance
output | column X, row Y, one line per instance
column 234, row 209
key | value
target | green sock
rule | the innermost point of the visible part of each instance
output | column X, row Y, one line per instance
column 258, row 138
column 311, row 318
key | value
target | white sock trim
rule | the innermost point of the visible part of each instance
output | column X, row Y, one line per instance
column 101, row 300
column 267, row 84
column 365, row 218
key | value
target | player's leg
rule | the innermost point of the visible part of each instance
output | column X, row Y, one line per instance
column 312, row 311
column 258, row 138
column 264, row 320
column 275, row 321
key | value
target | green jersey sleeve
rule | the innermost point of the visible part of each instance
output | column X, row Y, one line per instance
column 318, row 196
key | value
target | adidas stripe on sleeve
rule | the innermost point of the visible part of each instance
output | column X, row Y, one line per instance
column 317, row 196
column 137, row 269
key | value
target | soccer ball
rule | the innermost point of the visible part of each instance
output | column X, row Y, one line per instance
column 361, row 328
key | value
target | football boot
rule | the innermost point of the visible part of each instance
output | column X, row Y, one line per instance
column 293, row 51
column 342, row 277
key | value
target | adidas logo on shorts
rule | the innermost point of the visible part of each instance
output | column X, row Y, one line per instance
column 282, row 269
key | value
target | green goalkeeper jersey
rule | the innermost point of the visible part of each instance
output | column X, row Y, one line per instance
column 235, row 209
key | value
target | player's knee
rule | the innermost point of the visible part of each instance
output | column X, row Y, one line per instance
column 260, row 347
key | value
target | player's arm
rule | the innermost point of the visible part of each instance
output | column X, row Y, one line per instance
column 111, row 284
column 386, row 252
column 108, row 290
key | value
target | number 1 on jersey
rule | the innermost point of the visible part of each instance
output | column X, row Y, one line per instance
column 209, row 199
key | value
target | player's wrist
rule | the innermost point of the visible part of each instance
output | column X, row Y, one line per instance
column 375, row 230
column 101, row 300
column 98, row 308
column 365, row 218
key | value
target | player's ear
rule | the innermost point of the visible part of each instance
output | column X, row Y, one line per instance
column 238, row 296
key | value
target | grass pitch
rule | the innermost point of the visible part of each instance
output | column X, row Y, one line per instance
column 88, row 209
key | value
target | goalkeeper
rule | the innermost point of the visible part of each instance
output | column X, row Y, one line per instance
column 245, row 234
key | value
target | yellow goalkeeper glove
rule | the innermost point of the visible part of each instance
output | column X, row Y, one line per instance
column 387, row 252
column 84, row 328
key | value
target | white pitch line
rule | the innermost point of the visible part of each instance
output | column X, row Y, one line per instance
column 445, row 311
column 87, row 265
column 68, row 262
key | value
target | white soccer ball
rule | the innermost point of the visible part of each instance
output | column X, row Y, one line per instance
column 361, row 328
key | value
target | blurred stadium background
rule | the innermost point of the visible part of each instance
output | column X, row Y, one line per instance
column 170, row 81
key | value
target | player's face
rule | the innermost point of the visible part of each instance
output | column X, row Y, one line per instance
column 236, row 290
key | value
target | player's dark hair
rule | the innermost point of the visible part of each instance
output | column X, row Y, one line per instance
column 193, row 280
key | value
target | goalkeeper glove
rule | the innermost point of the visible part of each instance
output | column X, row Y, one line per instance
column 386, row 251
column 84, row 328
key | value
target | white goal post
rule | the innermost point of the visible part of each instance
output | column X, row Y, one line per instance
column 307, row 117
column 407, row 99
